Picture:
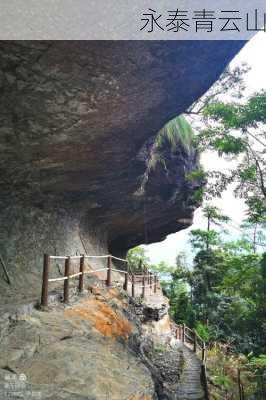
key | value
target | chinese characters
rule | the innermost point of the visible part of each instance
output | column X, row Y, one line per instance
column 177, row 20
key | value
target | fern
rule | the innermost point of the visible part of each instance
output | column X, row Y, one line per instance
column 175, row 132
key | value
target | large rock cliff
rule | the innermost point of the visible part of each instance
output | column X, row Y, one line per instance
column 77, row 122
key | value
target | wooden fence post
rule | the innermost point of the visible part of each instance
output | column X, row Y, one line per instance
column 133, row 286
column 126, row 280
column 145, row 273
column 155, row 283
column 109, row 271
column 66, row 281
column 183, row 333
column 45, row 277
column 203, row 353
column 194, row 341
column 143, row 286
column 177, row 333
column 204, row 382
column 242, row 392
column 140, row 266
column 81, row 270
column 239, row 384
column 151, row 279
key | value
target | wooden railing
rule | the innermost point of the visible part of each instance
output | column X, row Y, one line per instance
column 82, row 271
column 240, row 385
column 145, row 280
column 192, row 338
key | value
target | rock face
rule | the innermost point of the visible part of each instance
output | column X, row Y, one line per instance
column 81, row 352
column 76, row 121
column 95, row 348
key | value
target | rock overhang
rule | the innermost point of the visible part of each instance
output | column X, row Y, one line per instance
column 75, row 117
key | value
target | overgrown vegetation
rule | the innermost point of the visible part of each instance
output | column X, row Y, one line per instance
column 176, row 132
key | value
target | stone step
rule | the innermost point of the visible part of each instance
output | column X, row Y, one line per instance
column 190, row 387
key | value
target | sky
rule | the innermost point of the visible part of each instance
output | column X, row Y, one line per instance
column 253, row 54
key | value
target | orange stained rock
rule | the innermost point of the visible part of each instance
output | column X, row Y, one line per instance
column 115, row 294
column 140, row 397
column 102, row 317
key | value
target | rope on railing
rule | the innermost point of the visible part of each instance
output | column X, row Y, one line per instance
column 120, row 270
column 67, row 276
column 58, row 279
column 147, row 280
column 105, row 256
column 119, row 259
column 146, row 286
column 95, row 270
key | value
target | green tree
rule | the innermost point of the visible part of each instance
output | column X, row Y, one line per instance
column 223, row 294
column 204, row 239
column 137, row 258
column 179, row 293
column 164, row 272
column 234, row 127
column 238, row 130
column 255, row 223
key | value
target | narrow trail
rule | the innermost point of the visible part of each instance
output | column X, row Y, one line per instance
column 190, row 387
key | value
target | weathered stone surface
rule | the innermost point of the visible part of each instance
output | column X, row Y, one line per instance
column 149, row 309
column 76, row 118
column 78, row 352
column 96, row 348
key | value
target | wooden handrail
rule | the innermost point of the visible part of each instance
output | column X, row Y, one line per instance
column 204, row 381
column 88, row 256
column 188, row 329
column 148, row 278
column 194, row 339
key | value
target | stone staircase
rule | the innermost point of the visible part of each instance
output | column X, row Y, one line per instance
column 190, row 387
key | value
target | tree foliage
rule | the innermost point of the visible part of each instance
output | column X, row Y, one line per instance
column 234, row 127
column 224, row 293
column 137, row 258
